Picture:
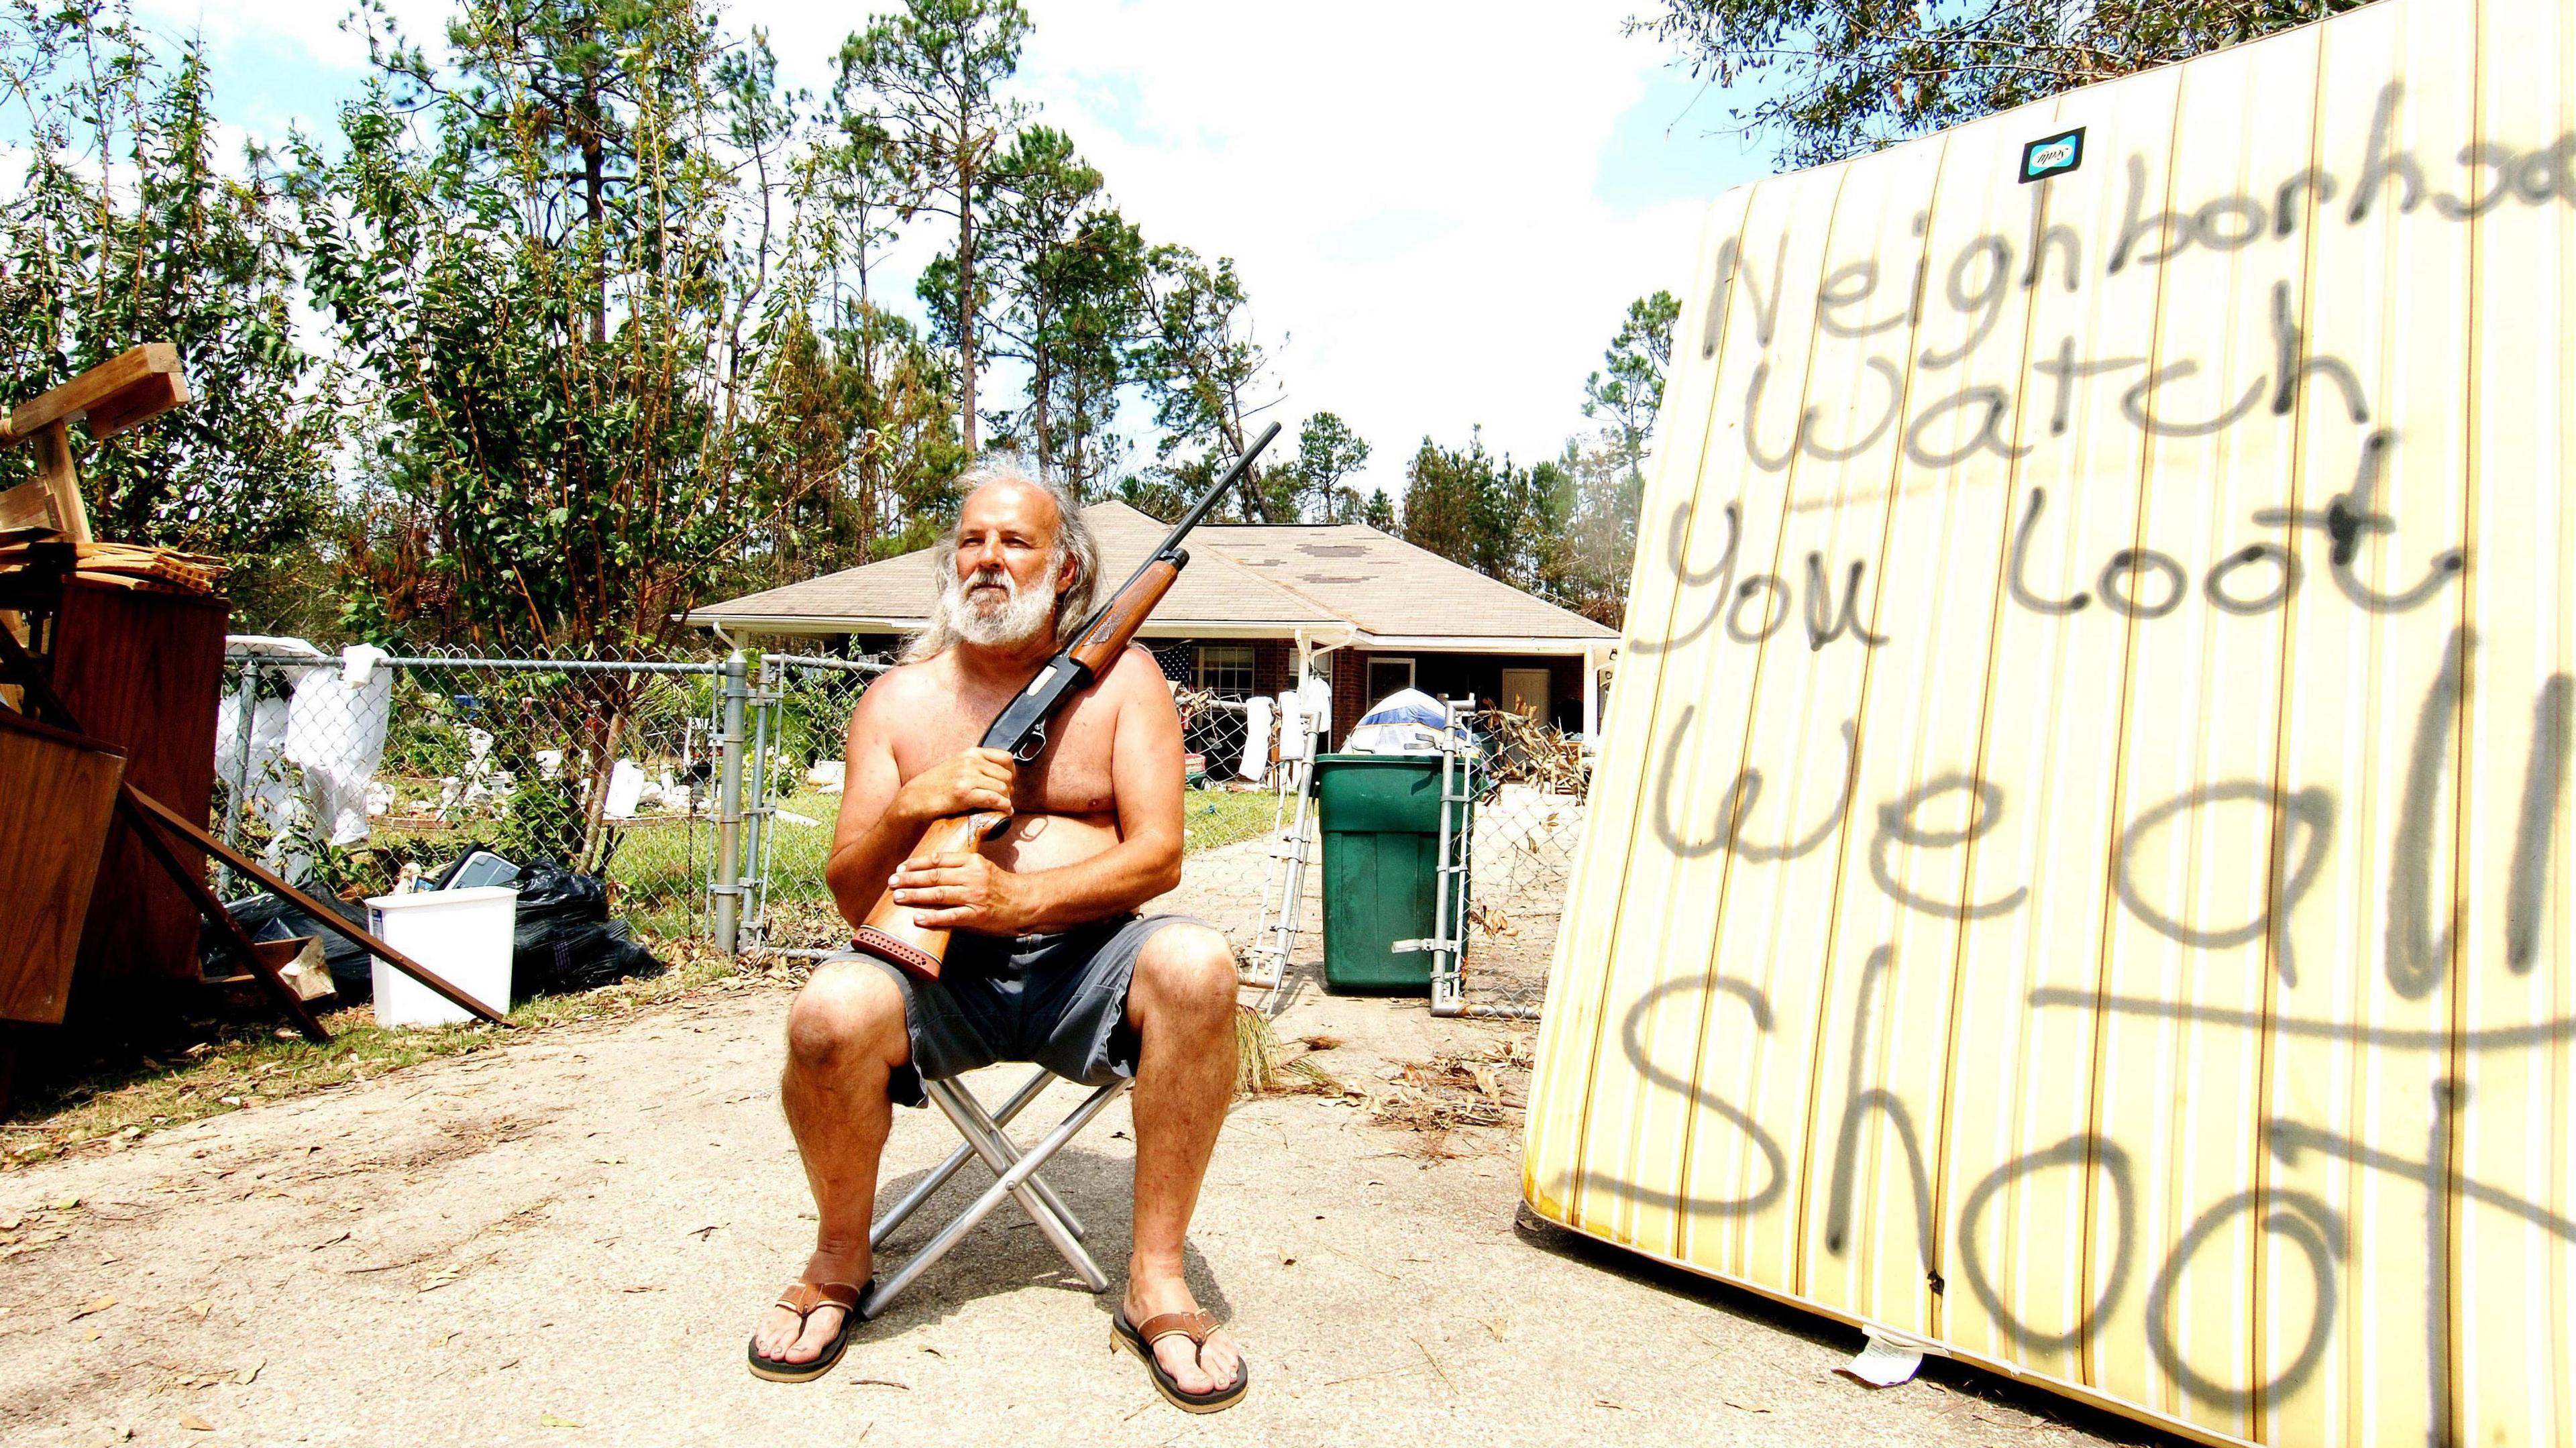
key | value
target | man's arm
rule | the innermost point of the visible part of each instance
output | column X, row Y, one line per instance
column 970, row 892
column 882, row 816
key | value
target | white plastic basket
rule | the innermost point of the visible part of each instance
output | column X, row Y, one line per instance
column 463, row 935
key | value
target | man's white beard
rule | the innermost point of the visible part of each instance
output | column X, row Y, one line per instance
column 986, row 622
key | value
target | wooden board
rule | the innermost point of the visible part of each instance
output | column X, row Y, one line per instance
column 126, row 389
column 57, row 790
column 2079, row 867
column 144, row 671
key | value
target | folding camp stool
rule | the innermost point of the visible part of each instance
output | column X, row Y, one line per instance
column 1015, row 1175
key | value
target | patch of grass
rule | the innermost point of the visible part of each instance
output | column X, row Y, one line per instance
column 1214, row 817
column 262, row 1062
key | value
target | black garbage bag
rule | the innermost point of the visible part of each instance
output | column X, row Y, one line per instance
column 271, row 916
column 565, row 940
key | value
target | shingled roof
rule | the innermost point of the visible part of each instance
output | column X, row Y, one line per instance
column 1339, row 583
column 1388, row 588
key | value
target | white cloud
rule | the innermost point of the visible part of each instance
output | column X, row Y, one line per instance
column 1408, row 190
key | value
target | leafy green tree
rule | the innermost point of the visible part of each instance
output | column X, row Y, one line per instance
column 858, row 440
column 1379, row 513
column 937, row 67
column 1205, row 373
column 861, row 387
column 1327, row 452
column 1153, row 495
column 1070, row 272
column 1606, row 474
column 121, row 231
column 1094, row 341
column 1837, row 78
column 1629, row 390
column 853, row 180
column 1500, row 519
column 533, row 251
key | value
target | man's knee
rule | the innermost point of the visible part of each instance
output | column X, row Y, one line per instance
column 1189, row 970
column 848, row 1012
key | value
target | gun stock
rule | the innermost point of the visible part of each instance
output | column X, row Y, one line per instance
column 889, row 933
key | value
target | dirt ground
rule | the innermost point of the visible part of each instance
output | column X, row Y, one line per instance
column 566, row 1240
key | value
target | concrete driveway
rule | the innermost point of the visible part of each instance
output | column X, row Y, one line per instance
column 566, row 1241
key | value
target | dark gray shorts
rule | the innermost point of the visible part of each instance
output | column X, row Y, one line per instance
column 1057, row 999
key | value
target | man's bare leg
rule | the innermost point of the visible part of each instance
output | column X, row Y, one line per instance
column 845, row 1035
column 1182, row 1006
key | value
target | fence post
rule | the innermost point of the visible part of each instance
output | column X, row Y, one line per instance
column 247, row 715
column 728, row 862
column 757, row 806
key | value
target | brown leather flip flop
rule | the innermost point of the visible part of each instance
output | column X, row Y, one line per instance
column 805, row 1299
column 1196, row 1326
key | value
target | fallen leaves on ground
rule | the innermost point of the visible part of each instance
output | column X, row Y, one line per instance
column 101, row 1305
column 549, row 1420
column 195, row 1424
column 1457, row 1089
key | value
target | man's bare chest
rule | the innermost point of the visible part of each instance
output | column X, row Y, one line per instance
column 1071, row 777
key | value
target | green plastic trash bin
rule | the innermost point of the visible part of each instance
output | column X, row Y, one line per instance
column 1381, row 821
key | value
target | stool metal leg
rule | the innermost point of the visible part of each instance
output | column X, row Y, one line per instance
column 1009, row 1184
column 1004, row 1158
column 921, row 1192
column 964, row 1100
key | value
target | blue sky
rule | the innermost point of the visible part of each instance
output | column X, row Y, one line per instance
column 1440, row 209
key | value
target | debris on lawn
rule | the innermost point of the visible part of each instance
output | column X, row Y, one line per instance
column 1457, row 1089
column 119, row 1103
column 1526, row 751
column 1263, row 1066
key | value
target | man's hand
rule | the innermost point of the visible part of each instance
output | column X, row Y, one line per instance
column 960, row 891
column 977, row 781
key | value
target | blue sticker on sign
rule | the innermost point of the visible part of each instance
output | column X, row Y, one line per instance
column 2052, row 156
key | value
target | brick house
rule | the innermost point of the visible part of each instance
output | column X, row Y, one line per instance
column 1371, row 613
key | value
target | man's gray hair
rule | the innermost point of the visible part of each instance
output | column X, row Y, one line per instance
column 1073, row 536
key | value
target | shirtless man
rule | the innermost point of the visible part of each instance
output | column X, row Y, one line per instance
column 1050, row 962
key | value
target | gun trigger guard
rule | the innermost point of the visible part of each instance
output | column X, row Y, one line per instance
column 1033, row 746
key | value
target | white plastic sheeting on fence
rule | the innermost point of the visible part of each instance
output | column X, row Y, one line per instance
column 331, row 727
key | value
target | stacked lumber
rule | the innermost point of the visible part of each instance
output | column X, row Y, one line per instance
column 121, row 565
column 1528, row 752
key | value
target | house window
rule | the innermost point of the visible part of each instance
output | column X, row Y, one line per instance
column 1385, row 676
column 1225, row 670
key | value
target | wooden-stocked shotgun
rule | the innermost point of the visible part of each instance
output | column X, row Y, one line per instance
column 889, row 932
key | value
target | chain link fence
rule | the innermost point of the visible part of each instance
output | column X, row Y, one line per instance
column 352, row 774
column 1523, row 784
column 357, row 772
column 801, row 721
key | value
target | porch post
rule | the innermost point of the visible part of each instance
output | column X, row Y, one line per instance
column 1591, row 695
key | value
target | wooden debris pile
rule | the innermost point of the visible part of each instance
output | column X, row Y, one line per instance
column 118, row 565
column 1524, row 751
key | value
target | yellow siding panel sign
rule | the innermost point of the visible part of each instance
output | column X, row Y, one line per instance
column 2080, row 866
